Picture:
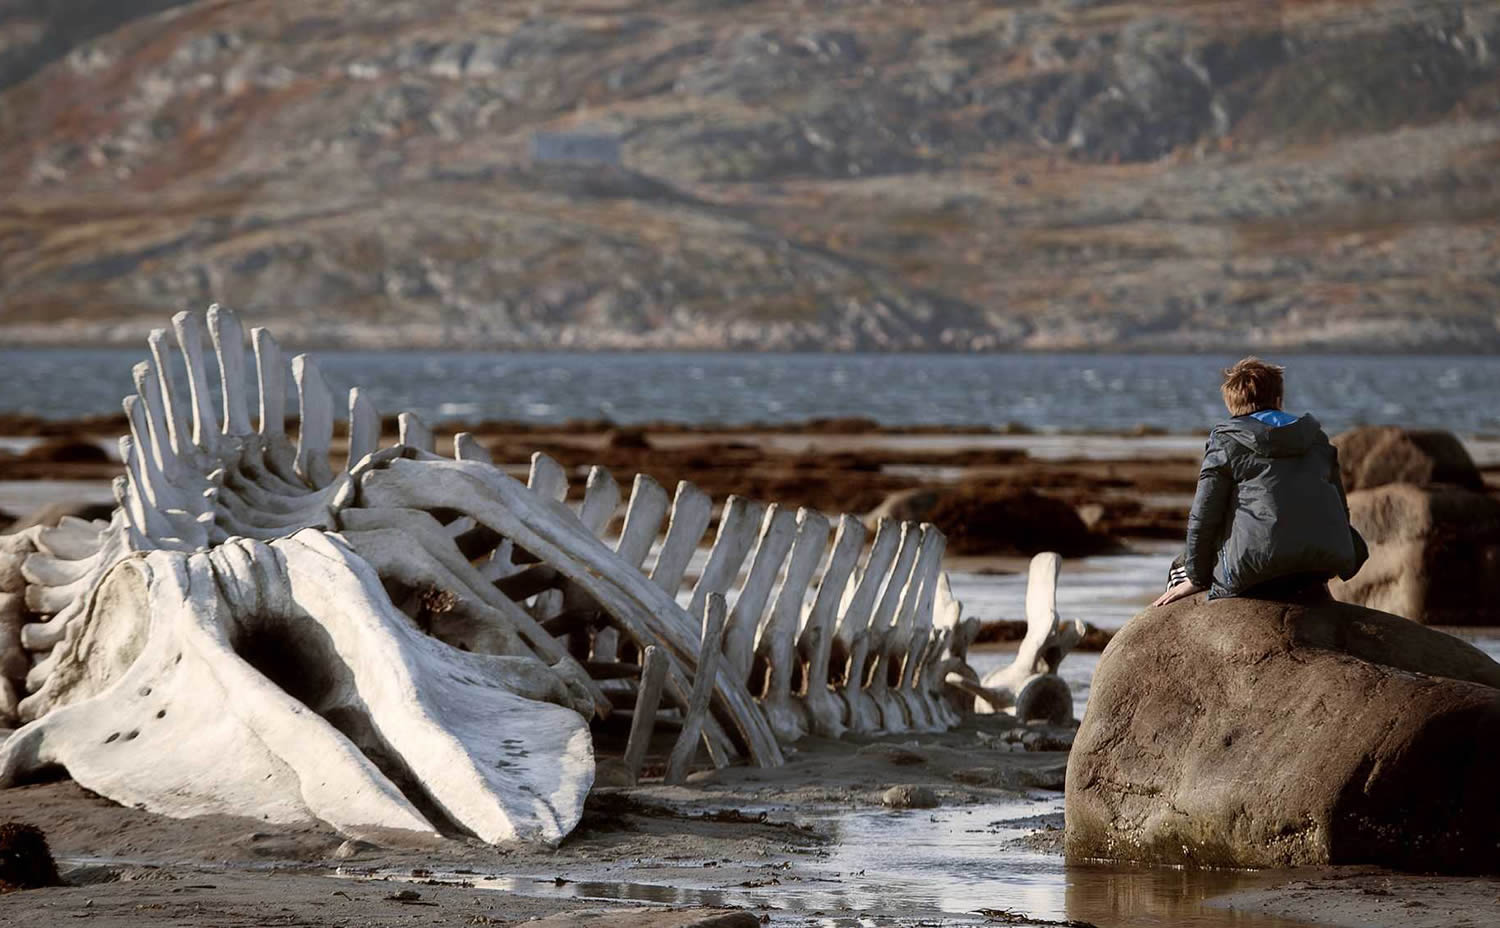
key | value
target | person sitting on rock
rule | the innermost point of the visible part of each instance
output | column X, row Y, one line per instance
column 1269, row 520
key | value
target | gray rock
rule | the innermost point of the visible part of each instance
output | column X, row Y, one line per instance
column 909, row 797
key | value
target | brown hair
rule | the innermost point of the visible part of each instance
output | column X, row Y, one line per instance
column 1252, row 385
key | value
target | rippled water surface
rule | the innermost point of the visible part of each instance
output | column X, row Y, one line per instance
column 1044, row 391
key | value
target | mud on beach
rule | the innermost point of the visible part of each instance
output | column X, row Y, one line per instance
column 812, row 843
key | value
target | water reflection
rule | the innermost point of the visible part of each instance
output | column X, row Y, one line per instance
column 934, row 868
column 1111, row 894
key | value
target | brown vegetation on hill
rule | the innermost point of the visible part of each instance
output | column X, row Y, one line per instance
column 951, row 175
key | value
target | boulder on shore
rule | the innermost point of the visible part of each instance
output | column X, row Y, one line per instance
column 1374, row 456
column 1251, row 733
column 980, row 519
column 1434, row 554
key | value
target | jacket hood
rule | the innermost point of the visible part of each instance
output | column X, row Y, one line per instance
column 1287, row 441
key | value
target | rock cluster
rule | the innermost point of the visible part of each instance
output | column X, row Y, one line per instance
column 1434, row 534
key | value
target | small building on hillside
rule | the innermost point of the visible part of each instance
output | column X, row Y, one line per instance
column 579, row 147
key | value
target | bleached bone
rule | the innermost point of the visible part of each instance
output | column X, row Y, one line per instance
column 190, row 342
column 316, row 431
column 601, row 497
column 242, row 572
column 229, row 344
column 697, row 708
column 823, row 709
column 156, row 341
column 691, row 511
column 739, row 525
column 638, row 608
column 892, row 651
column 1046, row 642
column 851, row 634
column 776, row 646
column 548, row 478
column 771, row 549
column 921, row 639
column 643, row 720
column 413, row 432
column 864, row 715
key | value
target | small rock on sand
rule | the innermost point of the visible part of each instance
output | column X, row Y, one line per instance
column 25, row 860
column 909, row 797
column 893, row 754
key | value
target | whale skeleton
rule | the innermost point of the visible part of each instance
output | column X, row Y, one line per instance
column 401, row 644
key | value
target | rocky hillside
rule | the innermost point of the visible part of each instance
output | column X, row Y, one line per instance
column 836, row 174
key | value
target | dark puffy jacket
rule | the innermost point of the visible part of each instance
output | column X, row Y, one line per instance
column 1270, row 505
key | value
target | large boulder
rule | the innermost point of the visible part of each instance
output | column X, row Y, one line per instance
column 1374, row 456
column 980, row 519
column 1250, row 733
column 1434, row 554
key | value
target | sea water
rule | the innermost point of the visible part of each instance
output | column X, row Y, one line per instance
column 1057, row 392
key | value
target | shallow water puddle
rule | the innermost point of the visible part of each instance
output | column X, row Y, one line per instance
column 950, row 866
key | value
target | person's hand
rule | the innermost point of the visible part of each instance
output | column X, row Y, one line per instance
column 1181, row 591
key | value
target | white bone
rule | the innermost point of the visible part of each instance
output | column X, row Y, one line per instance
column 775, row 541
column 1045, row 644
column 601, row 497
column 867, row 645
column 776, row 645
column 892, row 652
column 697, row 709
column 364, row 428
column 824, row 710
column 468, row 448
column 271, row 378
column 149, row 389
column 316, row 431
column 643, row 719
column 548, row 478
column 177, row 432
column 691, row 511
column 229, row 343
column 739, row 525
column 179, row 559
column 413, row 432
column 643, row 516
column 190, row 342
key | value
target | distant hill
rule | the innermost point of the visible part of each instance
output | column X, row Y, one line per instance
column 783, row 174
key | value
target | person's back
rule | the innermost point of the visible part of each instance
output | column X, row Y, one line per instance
column 1269, row 515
